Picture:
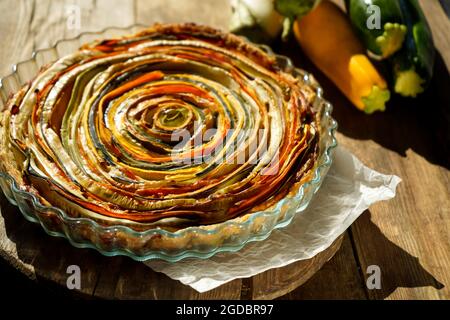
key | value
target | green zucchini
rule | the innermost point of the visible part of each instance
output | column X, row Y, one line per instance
column 412, row 66
column 382, row 37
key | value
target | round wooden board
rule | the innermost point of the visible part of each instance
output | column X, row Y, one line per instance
column 46, row 259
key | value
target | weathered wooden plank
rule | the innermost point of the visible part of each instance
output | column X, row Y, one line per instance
column 32, row 25
column 127, row 279
column 55, row 20
column 340, row 278
column 271, row 284
column 410, row 139
column 440, row 25
column 15, row 46
column 404, row 274
column 400, row 141
column 407, row 237
column 137, row 281
column 11, row 224
column 26, row 247
column 209, row 12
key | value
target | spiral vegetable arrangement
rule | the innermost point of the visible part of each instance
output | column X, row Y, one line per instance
column 175, row 126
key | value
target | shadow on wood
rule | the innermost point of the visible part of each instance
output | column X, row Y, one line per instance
column 338, row 279
column 50, row 257
column 109, row 277
column 47, row 260
column 398, row 267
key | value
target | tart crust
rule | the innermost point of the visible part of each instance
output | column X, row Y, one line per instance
column 64, row 136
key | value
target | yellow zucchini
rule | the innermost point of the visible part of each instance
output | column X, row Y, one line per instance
column 327, row 38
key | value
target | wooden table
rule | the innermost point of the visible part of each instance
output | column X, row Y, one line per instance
column 407, row 237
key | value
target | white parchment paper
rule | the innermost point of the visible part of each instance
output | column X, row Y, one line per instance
column 348, row 189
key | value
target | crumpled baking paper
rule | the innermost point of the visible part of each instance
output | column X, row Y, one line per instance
column 348, row 189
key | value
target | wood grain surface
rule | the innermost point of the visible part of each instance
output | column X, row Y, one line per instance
column 407, row 237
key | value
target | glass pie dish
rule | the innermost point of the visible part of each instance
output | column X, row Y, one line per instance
column 200, row 241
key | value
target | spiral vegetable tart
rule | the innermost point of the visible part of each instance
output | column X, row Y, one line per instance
column 172, row 127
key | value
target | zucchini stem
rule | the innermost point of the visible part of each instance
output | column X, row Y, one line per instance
column 376, row 100
column 392, row 39
column 408, row 83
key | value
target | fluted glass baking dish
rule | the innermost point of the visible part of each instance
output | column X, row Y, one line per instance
column 199, row 241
